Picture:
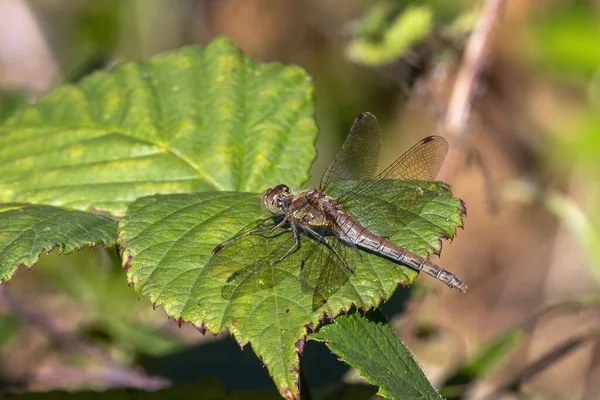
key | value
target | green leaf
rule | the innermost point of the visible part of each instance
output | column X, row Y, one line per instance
column 380, row 42
column 371, row 345
column 167, row 240
column 9, row 327
column 494, row 353
column 565, row 39
column 195, row 119
column 484, row 362
column 29, row 230
column 10, row 102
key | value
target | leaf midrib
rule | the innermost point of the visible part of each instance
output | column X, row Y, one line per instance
column 163, row 146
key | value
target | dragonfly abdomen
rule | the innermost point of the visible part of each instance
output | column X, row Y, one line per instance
column 361, row 237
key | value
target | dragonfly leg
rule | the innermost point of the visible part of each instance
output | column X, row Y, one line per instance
column 322, row 239
column 295, row 246
column 279, row 225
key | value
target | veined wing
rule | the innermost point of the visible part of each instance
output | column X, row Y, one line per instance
column 359, row 157
column 422, row 162
column 325, row 268
column 386, row 202
column 253, row 261
column 395, row 211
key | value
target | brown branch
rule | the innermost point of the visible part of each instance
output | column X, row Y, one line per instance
column 459, row 107
column 546, row 360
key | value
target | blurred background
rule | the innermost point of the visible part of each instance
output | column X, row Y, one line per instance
column 515, row 87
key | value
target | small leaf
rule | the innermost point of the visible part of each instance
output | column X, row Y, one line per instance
column 29, row 230
column 167, row 240
column 483, row 363
column 381, row 42
column 369, row 344
column 190, row 120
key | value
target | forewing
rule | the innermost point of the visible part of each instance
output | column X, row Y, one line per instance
column 421, row 162
column 359, row 157
column 252, row 261
column 325, row 269
column 385, row 203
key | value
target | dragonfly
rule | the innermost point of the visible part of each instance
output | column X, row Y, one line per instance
column 316, row 231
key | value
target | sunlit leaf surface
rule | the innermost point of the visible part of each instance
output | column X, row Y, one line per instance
column 371, row 345
column 167, row 240
column 191, row 120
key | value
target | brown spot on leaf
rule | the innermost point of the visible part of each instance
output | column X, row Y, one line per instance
column 202, row 329
column 217, row 249
column 127, row 264
column 287, row 393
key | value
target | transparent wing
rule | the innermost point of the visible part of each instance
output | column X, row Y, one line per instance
column 359, row 157
column 325, row 268
column 390, row 200
column 422, row 162
column 253, row 260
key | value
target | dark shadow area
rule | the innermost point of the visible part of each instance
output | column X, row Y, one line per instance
column 206, row 390
column 222, row 360
column 242, row 370
column 321, row 368
column 396, row 304
column 209, row 389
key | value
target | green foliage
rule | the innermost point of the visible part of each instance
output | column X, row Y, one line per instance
column 94, row 281
column 195, row 120
column 191, row 120
column 565, row 39
column 167, row 239
column 494, row 353
column 369, row 344
column 10, row 102
column 407, row 28
column 30, row 229
column 9, row 327
column 485, row 361
column 391, row 28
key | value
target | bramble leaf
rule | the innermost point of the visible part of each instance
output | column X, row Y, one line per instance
column 28, row 230
column 167, row 240
column 191, row 120
column 369, row 344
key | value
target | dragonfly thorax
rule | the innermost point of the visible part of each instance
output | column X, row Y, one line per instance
column 277, row 199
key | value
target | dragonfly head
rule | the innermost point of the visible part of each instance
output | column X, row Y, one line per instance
column 277, row 199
